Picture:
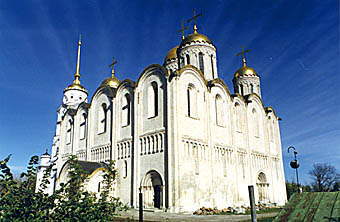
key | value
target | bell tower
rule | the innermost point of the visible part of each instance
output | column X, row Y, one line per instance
column 75, row 93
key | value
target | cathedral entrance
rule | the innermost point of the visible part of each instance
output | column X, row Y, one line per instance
column 262, row 188
column 152, row 189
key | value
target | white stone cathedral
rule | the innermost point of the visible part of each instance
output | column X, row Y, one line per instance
column 177, row 133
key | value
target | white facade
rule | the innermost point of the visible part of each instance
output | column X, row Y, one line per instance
column 177, row 133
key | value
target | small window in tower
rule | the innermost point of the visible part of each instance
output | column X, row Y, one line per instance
column 99, row 187
column 201, row 61
column 212, row 66
column 71, row 97
column 125, row 169
column 79, row 98
column 251, row 88
column 188, row 59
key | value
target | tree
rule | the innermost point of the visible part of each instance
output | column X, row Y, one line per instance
column 20, row 202
column 292, row 187
column 325, row 177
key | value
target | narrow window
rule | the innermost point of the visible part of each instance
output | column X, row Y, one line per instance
column 219, row 103
column 271, row 134
column 212, row 66
column 256, row 124
column 99, row 187
column 152, row 100
column 238, row 117
column 201, row 61
column 251, row 88
column 68, row 132
column 82, row 131
column 192, row 101
column 188, row 59
column 125, row 169
column 126, row 110
column 102, row 118
column 241, row 89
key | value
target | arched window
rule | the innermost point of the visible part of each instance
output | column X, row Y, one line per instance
column 82, row 128
column 201, row 61
column 238, row 117
column 125, row 169
column 188, row 59
column 251, row 88
column 126, row 107
column 192, row 101
column 68, row 132
column 102, row 118
column 241, row 89
column 270, row 129
column 212, row 66
column 262, row 187
column 152, row 108
column 256, row 124
column 219, row 108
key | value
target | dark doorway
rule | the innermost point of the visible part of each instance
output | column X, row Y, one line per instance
column 157, row 196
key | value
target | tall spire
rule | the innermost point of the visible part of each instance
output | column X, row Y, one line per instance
column 77, row 74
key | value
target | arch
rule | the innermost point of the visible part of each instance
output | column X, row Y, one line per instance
column 152, row 97
column 192, row 101
column 262, row 187
column 153, row 190
column 201, row 61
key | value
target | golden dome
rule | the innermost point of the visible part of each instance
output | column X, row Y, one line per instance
column 76, row 86
column 172, row 54
column 195, row 37
column 245, row 71
column 111, row 82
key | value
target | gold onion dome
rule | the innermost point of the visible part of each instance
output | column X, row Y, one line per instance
column 76, row 86
column 195, row 37
column 112, row 82
column 172, row 54
column 245, row 70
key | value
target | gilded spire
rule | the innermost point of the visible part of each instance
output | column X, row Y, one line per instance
column 77, row 74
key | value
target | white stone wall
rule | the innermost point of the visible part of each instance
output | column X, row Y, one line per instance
column 205, row 156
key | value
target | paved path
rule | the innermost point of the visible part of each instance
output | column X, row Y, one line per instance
column 164, row 216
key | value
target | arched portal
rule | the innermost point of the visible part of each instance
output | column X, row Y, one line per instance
column 152, row 189
column 262, row 187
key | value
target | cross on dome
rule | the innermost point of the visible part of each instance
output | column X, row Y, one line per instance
column 243, row 54
column 194, row 18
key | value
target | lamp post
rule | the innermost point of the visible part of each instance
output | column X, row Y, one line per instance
column 295, row 165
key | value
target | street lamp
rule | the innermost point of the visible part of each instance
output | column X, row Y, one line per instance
column 295, row 165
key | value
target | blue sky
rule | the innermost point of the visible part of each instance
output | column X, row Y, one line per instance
column 295, row 49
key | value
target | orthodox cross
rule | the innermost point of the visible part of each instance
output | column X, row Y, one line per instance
column 114, row 62
column 243, row 53
column 194, row 18
column 182, row 30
